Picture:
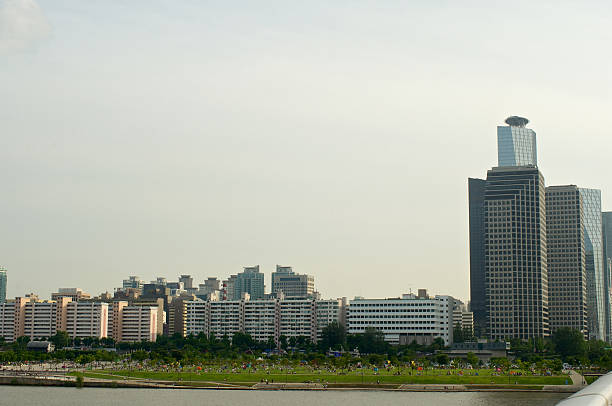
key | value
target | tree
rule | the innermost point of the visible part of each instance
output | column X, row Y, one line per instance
column 569, row 342
column 472, row 359
column 282, row 341
column 242, row 341
column 22, row 342
column 61, row 339
column 333, row 336
column 442, row 359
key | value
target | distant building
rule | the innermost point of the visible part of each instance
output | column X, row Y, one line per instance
column 228, row 289
column 187, row 282
column 7, row 321
column 291, row 284
column 132, row 282
column 3, row 282
column 73, row 293
column 133, row 323
column 85, row 319
column 404, row 320
column 250, row 281
column 263, row 319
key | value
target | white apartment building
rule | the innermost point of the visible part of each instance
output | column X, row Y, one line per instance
column 329, row 311
column 197, row 317
column 403, row 320
column 298, row 318
column 263, row 319
column 139, row 323
column 7, row 321
column 86, row 319
column 226, row 318
column 40, row 319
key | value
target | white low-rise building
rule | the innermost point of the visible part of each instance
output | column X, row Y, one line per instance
column 404, row 320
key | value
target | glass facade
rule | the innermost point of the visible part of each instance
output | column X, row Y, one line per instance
column 478, row 305
column 607, row 241
column 2, row 285
column 516, row 146
column 596, row 280
column 516, row 274
column 567, row 290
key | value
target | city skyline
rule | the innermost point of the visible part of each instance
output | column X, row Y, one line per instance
column 332, row 138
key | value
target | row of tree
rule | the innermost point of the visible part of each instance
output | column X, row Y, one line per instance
column 566, row 345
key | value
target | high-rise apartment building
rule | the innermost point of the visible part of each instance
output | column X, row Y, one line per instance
column 264, row 319
column 249, row 281
column 478, row 305
column 516, row 144
column 567, row 282
column 607, row 244
column 596, row 289
column 516, row 279
column 291, row 284
column 3, row 281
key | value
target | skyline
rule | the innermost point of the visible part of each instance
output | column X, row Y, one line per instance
column 299, row 137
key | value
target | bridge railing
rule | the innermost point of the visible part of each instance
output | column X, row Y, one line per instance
column 599, row 393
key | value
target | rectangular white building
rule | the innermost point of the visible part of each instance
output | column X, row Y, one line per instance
column 86, row 319
column 404, row 320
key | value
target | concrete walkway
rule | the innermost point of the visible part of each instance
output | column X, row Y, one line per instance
column 577, row 379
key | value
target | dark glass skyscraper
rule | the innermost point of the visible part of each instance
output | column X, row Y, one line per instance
column 516, row 279
column 476, row 191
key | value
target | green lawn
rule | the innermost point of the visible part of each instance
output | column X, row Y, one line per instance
column 430, row 377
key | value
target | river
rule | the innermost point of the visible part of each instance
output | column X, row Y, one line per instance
column 51, row 396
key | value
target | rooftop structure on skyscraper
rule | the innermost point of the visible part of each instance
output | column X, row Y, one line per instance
column 516, row 144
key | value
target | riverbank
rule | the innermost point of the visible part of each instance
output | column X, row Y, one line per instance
column 89, row 382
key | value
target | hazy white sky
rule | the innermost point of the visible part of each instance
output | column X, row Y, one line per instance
column 155, row 138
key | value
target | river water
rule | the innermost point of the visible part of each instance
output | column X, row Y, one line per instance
column 51, row 396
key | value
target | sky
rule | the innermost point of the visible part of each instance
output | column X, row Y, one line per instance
column 164, row 137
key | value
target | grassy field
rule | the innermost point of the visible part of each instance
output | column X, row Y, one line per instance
column 484, row 377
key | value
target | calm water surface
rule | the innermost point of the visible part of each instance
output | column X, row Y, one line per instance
column 30, row 396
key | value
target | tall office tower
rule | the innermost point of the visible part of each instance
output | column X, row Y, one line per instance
column 249, row 281
column 597, row 297
column 516, row 144
column 607, row 244
column 567, row 290
column 291, row 284
column 516, row 279
column 478, row 305
column 187, row 281
column 2, row 285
